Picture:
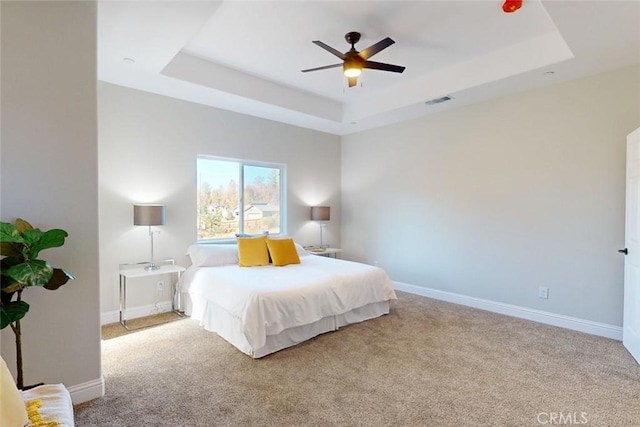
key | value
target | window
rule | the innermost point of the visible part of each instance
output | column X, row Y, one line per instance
column 238, row 196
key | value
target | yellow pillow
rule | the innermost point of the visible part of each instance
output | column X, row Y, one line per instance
column 283, row 252
column 13, row 412
column 252, row 251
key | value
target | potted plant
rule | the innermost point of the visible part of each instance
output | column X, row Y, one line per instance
column 20, row 268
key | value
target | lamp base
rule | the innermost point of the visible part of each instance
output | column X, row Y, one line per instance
column 152, row 267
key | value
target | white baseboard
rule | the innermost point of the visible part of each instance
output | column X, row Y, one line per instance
column 87, row 391
column 135, row 312
column 567, row 322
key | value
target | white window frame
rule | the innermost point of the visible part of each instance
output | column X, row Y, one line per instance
column 282, row 167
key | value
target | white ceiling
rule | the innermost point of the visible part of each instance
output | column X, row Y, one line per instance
column 246, row 56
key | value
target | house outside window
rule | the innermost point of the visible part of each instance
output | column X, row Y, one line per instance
column 239, row 196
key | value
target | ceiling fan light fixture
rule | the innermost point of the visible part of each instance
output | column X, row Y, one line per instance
column 352, row 71
column 352, row 66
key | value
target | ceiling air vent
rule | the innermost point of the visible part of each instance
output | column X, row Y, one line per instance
column 438, row 100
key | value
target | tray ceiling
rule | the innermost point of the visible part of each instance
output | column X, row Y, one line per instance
column 246, row 56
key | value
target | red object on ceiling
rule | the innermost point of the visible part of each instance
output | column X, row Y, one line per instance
column 511, row 6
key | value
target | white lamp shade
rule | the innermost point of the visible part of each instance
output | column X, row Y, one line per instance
column 320, row 213
column 149, row 215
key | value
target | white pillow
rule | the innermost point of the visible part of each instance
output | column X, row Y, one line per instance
column 213, row 255
column 301, row 251
column 57, row 407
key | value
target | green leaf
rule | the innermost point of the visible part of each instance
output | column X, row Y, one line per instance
column 52, row 239
column 6, row 263
column 9, row 233
column 31, row 273
column 12, row 312
column 59, row 278
column 31, row 242
column 37, row 240
column 6, row 297
column 9, row 284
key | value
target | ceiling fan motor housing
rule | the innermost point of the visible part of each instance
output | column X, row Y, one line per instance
column 352, row 38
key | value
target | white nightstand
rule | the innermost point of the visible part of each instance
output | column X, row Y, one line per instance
column 328, row 252
column 133, row 272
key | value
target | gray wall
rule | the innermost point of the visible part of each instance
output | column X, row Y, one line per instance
column 49, row 177
column 148, row 148
column 494, row 200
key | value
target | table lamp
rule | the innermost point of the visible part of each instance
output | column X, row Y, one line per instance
column 149, row 215
column 321, row 213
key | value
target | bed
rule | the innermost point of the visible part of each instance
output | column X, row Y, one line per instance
column 264, row 309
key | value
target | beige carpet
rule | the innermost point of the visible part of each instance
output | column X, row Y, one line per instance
column 427, row 363
column 114, row 330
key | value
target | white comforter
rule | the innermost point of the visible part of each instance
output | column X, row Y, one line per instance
column 271, row 299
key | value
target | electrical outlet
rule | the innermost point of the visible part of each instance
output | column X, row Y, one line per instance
column 160, row 285
column 543, row 292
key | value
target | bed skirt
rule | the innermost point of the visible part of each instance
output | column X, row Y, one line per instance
column 230, row 327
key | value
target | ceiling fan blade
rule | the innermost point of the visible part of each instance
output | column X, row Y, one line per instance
column 383, row 67
column 373, row 49
column 322, row 68
column 329, row 49
column 352, row 81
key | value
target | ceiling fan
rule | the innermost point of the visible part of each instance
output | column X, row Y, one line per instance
column 354, row 61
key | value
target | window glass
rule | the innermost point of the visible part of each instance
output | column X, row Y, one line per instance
column 236, row 196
